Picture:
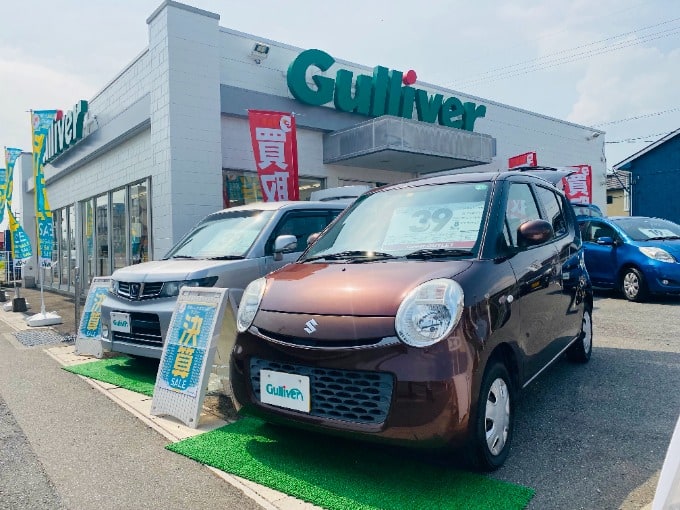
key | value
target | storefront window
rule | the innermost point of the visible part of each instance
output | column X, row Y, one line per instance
column 244, row 187
column 72, row 259
column 139, row 234
column 88, row 241
column 102, row 241
column 63, row 248
column 119, row 228
column 52, row 276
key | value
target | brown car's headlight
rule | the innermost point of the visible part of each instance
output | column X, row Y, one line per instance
column 429, row 312
column 250, row 303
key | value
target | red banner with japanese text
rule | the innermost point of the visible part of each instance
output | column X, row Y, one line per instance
column 526, row 159
column 579, row 186
column 275, row 148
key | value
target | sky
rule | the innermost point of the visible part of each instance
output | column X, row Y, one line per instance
column 612, row 65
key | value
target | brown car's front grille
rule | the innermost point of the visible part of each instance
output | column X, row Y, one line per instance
column 349, row 395
column 313, row 342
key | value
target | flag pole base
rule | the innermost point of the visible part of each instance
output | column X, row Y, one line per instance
column 44, row 319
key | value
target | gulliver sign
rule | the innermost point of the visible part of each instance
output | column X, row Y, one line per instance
column 380, row 94
column 66, row 130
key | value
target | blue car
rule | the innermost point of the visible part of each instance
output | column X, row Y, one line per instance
column 634, row 254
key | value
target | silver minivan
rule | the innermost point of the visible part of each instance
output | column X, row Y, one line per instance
column 228, row 249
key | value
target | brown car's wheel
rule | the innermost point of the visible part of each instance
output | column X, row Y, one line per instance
column 582, row 348
column 495, row 416
column 633, row 285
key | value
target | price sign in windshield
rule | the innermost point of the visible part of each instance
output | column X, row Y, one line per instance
column 436, row 226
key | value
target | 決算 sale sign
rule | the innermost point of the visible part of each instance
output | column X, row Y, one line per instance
column 275, row 149
column 579, row 186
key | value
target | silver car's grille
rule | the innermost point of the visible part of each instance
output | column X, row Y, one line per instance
column 145, row 329
column 136, row 291
column 349, row 395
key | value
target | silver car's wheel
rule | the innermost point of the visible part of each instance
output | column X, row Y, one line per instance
column 497, row 416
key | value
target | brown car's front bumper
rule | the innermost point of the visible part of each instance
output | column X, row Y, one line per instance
column 395, row 393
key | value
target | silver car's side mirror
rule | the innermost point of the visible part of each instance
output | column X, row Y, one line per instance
column 284, row 244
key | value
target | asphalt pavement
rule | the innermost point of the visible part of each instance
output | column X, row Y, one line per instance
column 590, row 436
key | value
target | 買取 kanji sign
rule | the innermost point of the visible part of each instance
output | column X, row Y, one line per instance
column 275, row 150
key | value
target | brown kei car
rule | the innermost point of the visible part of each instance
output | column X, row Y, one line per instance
column 419, row 314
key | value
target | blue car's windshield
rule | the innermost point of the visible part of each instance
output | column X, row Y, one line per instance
column 645, row 229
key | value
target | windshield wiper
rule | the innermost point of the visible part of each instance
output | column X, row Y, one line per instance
column 226, row 257
column 662, row 238
column 181, row 257
column 437, row 253
column 356, row 255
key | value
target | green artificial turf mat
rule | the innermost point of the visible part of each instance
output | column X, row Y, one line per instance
column 341, row 474
column 129, row 373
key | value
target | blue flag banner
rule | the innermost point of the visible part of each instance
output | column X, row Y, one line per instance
column 3, row 188
column 41, row 121
column 11, row 156
column 21, row 244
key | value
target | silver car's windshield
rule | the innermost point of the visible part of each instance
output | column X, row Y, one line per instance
column 422, row 222
column 222, row 236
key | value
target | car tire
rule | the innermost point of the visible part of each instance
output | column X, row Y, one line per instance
column 633, row 285
column 582, row 348
column 494, row 424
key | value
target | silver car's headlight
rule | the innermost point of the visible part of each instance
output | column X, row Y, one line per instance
column 172, row 288
column 429, row 312
column 250, row 303
column 657, row 254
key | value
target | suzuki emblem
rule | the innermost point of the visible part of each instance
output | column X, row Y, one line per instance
column 311, row 326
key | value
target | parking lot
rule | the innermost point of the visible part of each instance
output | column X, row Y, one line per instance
column 594, row 436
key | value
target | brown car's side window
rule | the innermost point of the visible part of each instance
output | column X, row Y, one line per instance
column 553, row 211
column 521, row 207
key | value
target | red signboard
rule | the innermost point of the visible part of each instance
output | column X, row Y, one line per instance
column 526, row 159
column 579, row 186
column 275, row 149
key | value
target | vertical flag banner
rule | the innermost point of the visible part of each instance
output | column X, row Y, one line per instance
column 21, row 244
column 579, row 186
column 11, row 156
column 274, row 142
column 3, row 188
column 41, row 121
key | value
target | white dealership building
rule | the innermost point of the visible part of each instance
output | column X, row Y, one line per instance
column 167, row 140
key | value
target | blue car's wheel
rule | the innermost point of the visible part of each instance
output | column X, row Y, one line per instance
column 633, row 285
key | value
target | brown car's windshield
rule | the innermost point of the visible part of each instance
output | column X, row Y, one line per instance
column 435, row 221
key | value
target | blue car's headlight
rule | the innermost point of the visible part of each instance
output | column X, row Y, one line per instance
column 657, row 254
column 172, row 288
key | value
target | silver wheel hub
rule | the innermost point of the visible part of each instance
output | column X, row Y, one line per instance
column 497, row 416
column 631, row 284
column 587, row 331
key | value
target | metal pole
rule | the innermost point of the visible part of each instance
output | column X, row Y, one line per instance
column 76, row 271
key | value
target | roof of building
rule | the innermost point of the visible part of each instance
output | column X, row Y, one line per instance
column 618, row 180
column 625, row 164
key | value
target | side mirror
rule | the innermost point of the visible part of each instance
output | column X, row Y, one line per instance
column 605, row 241
column 284, row 244
column 534, row 232
column 312, row 238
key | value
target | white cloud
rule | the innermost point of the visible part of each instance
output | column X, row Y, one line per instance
column 30, row 86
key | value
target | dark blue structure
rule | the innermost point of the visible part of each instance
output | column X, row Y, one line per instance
column 655, row 178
